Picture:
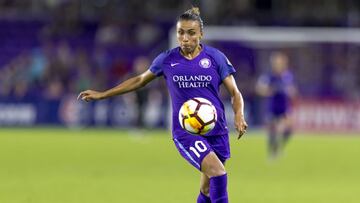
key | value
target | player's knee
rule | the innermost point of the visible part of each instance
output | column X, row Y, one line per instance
column 216, row 170
column 212, row 166
column 219, row 172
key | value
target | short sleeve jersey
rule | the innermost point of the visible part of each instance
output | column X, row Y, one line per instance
column 279, row 100
column 198, row 77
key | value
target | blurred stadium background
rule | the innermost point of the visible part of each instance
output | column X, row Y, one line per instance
column 54, row 148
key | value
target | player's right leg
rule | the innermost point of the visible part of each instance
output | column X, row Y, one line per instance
column 204, row 196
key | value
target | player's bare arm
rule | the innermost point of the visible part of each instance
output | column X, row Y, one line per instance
column 291, row 91
column 237, row 104
column 129, row 85
column 263, row 89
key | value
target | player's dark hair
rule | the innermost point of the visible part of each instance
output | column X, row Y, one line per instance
column 192, row 14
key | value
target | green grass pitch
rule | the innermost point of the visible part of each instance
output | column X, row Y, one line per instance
column 52, row 165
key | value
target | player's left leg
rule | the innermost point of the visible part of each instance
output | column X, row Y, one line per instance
column 284, row 132
column 273, row 140
column 204, row 196
column 212, row 167
column 288, row 129
column 217, row 181
column 207, row 154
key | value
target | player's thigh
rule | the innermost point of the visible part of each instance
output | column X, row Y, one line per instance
column 284, row 123
column 212, row 166
column 193, row 149
column 288, row 122
column 272, row 124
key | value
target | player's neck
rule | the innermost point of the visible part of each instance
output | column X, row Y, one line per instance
column 191, row 55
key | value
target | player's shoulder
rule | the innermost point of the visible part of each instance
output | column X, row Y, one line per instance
column 212, row 51
column 288, row 76
column 217, row 55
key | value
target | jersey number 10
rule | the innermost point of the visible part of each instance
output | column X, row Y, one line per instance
column 199, row 147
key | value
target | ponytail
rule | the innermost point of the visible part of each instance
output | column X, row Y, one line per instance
column 192, row 14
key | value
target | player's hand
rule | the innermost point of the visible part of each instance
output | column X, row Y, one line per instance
column 90, row 95
column 240, row 124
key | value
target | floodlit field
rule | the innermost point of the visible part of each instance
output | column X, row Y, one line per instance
column 46, row 165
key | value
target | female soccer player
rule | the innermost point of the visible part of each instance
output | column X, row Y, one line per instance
column 278, row 87
column 194, row 70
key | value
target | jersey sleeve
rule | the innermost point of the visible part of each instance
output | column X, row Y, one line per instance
column 225, row 66
column 289, row 79
column 156, row 66
column 264, row 79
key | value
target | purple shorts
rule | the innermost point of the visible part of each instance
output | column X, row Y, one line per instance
column 194, row 148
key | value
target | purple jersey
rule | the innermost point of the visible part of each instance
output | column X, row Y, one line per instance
column 199, row 77
column 279, row 100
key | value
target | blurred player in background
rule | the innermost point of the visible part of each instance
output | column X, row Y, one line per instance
column 194, row 70
column 278, row 88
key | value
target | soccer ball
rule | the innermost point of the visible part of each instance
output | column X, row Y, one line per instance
column 197, row 116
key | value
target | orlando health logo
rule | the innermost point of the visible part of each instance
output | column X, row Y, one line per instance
column 192, row 81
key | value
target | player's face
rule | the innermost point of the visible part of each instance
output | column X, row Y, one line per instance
column 188, row 35
column 279, row 63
